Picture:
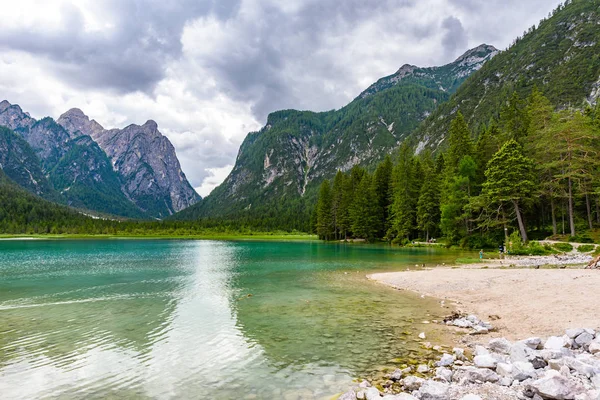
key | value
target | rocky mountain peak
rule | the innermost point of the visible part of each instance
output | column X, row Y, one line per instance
column 477, row 55
column 151, row 124
column 4, row 105
column 77, row 123
column 13, row 117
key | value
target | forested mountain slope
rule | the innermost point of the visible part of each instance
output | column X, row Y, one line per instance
column 561, row 56
column 279, row 168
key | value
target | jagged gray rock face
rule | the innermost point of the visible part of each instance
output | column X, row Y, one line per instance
column 149, row 168
column 13, row 117
column 141, row 176
column 77, row 123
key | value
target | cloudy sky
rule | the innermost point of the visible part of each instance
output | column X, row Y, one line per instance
column 210, row 71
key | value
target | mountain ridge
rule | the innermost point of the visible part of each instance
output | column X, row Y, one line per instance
column 280, row 166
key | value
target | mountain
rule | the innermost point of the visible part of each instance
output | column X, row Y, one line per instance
column 21, row 164
column 84, row 175
column 145, row 161
column 561, row 56
column 279, row 168
column 132, row 172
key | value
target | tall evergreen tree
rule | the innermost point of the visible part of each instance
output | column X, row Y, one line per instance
column 403, row 215
column 324, row 215
column 364, row 211
column 383, row 190
column 428, row 205
column 510, row 181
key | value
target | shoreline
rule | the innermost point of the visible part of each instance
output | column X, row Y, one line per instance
column 526, row 300
column 519, row 357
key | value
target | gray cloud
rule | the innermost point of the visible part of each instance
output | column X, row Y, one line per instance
column 131, row 56
column 209, row 71
column 455, row 38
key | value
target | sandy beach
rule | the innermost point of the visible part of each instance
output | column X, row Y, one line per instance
column 529, row 302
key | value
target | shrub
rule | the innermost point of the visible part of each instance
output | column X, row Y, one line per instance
column 581, row 239
column 586, row 248
column 563, row 247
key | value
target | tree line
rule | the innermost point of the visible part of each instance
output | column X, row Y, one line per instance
column 533, row 170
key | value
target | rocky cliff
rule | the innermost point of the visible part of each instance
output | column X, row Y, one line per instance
column 132, row 172
column 149, row 169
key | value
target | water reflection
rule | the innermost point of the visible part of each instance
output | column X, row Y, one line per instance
column 172, row 319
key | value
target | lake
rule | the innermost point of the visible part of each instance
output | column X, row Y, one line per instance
column 169, row 319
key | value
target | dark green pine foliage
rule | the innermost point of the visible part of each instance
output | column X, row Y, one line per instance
column 428, row 206
column 325, row 225
column 364, row 210
column 85, row 177
column 510, row 182
column 514, row 119
column 21, row 165
column 406, row 194
column 383, row 190
column 561, row 56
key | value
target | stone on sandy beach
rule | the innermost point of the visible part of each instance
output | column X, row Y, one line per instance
column 485, row 361
column 555, row 343
column 432, row 390
column 446, row 361
column 556, row 386
column 500, row 345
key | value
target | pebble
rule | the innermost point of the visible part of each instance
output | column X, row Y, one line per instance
column 563, row 367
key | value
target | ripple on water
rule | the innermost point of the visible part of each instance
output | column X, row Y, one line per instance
column 172, row 319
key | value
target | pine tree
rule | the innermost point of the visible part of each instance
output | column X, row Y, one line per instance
column 324, row 214
column 364, row 211
column 510, row 181
column 403, row 208
column 428, row 206
column 460, row 143
column 383, row 189
column 514, row 119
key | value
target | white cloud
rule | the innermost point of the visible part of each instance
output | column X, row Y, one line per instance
column 209, row 71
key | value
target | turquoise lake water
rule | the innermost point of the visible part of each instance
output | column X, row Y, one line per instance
column 168, row 319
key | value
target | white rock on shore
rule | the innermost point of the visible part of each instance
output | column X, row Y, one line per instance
column 561, row 368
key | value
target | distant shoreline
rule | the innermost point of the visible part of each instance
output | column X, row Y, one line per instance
column 257, row 237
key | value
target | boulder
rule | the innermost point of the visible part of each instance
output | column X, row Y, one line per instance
column 459, row 353
column 573, row 333
column 480, row 350
column 594, row 347
column 584, row 339
column 505, row 370
column 521, row 352
column 372, row 394
column 396, row 375
column 500, row 345
column 485, row 361
column 577, row 365
column 422, row 369
column 471, row 397
column 474, row 375
column 412, row 383
column 555, row 386
column 522, row 371
column 432, row 390
column 401, row 396
column 444, row 374
column 555, row 343
column 446, row 361
column 533, row 343
column 349, row 395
